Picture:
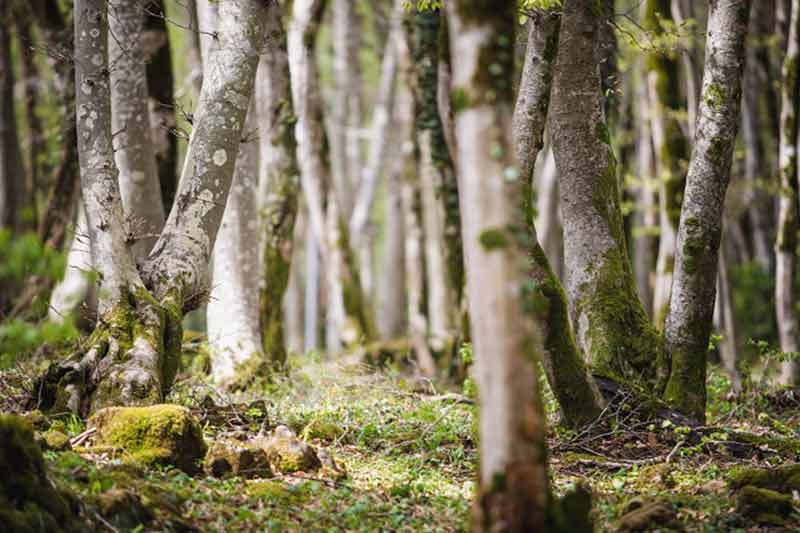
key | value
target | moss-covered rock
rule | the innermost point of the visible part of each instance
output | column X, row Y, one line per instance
column 228, row 457
column 29, row 502
column 780, row 478
column 156, row 435
column 330, row 469
column 54, row 440
column 646, row 516
column 287, row 453
column 763, row 505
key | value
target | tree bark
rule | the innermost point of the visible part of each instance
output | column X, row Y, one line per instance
column 279, row 185
column 576, row 392
column 513, row 485
column 130, row 122
column 232, row 311
column 788, row 213
column 612, row 327
column 688, row 324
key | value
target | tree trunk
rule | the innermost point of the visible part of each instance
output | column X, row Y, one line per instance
column 232, row 317
column 133, row 354
column 160, row 86
column 577, row 394
column 13, row 197
column 725, row 314
column 72, row 290
column 548, row 216
column 786, row 244
column 130, row 122
column 688, row 324
column 670, row 146
column 279, row 186
column 345, row 295
column 513, row 485
column 757, row 170
column 612, row 327
column 646, row 243
column 438, row 188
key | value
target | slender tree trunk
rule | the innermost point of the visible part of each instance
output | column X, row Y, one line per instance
column 690, row 63
column 670, row 146
column 513, row 486
column 293, row 299
column 757, row 169
column 194, row 55
column 577, row 394
column 412, row 217
column 73, row 289
column 438, row 189
column 207, row 21
column 548, row 216
column 130, row 122
column 279, row 186
column 646, row 243
column 612, row 327
column 379, row 146
column 724, row 311
column 13, row 197
column 786, row 244
column 688, row 324
column 232, row 317
column 161, row 88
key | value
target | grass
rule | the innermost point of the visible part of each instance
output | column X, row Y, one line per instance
column 410, row 455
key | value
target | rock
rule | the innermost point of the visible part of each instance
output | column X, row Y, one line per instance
column 28, row 499
column 287, row 453
column 124, row 509
column 781, row 478
column 649, row 515
column 54, row 440
column 36, row 419
column 764, row 506
column 155, row 435
column 233, row 457
column 330, row 469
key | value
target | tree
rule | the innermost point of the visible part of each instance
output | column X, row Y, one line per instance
column 577, row 394
column 786, row 244
column 513, row 485
column 688, row 325
column 130, row 122
column 132, row 356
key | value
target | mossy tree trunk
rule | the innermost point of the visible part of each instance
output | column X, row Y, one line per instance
column 667, row 106
column 612, row 328
column 688, row 324
column 279, row 185
column 131, row 358
column 513, row 485
column 576, row 392
column 438, row 188
column 788, row 213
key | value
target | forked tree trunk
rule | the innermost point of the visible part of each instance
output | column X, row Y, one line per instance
column 788, row 213
column 279, row 185
column 232, row 321
column 130, row 122
column 612, row 328
column 688, row 324
column 513, row 485
column 132, row 356
column 576, row 392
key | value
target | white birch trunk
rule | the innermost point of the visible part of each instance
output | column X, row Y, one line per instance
column 73, row 290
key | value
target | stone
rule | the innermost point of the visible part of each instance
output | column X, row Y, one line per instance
column 232, row 457
column 647, row 516
column 124, row 509
column 156, row 435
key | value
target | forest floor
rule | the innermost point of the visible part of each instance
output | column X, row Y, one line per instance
column 409, row 450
